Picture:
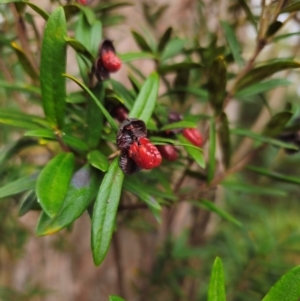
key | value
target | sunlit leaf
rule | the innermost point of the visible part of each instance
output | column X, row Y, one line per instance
column 115, row 298
column 216, row 290
column 105, row 210
column 133, row 56
column 98, row 160
column 53, row 182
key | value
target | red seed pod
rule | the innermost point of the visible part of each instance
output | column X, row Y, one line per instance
column 145, row 154
column 193, row 136
column 168, row 152
column 121, row 113
column 111, row 62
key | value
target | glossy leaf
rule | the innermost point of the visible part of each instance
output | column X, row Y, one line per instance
column 233, row 42
column 80, row 48
column 146, row 100
column 98, row 160
column 53, row 182
column 17, row 186
column 216, row 290
column 142, row 43
column 163, row 69
column 274, row 175
column 81, row 192
column 217, row 83
column 195, row 152
column 101, row 107
column 29, row 203
column 224, row 136
column 133, row 56
column 94, row 118
column 48, row 134
column 277, row 124
column 212, row 151
column 212, row 207
column 37, row 9
column 269, row 68
column 262, row 87
column 53, row 65
column 164, row 39
column 24, row 61
column 265, row 139
column 178, row 125
column 287, row 288
column 105, row 210
column 293, row 7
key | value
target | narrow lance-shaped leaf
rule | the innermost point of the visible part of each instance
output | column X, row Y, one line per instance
column 24, row 61
column 80, row 48
column 212, row 151
column 94, row 118
column 216, row 290
column 287, row 288
column 29, row 202
column 293, row 7
column 164, row 39
column 277, row 124
column 269, row 68
column 17, row 186
column 141, row 41
column 145, row 102
column 233, row 42
column 115, row 298
column 53, row 65
column 224, row 136
column 37, row 9
column 184, row 66
column 53, row 182
column 105, row 210
column 101, row 107
column 217, row 83
column 81, row 192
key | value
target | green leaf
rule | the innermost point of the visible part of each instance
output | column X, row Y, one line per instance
column 224, row 136
column 277, row 124
column 164, row 39
column 201, row 93
column 29, row 203
column 110, row 6
column 139, row 39
column 123, row 93
column 37, row 9
column 98, row 160
column 53, row 65
column 217, row 83
column 48, row 134
column 273, row 28
column 80, row 48
column 258, row 137
column 22, row 87
column 274, row 175
column 75, row 142
column 24, row 61
column 53, row 181
column 115, row 298
column 178, row 125
column 94, row 118
column 269, row 68
column 81, row 192
column 105, row 210
column 285, row 36
column 293, row 7
column 163, row 69
column 216, row 290
column 210, row 206
column 145, row 102
column 102, row 108
column 212, row 151
column 96, row 38
column 20, row 185
column 262, row 87
column 21, row 120
column 74, row 8
column 195, row 152
column 173, row 48
column 287, row 288
column 133, row 56
column 233, row 42
column 247, row 10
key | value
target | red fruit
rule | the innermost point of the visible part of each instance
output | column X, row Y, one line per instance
column 168, row 152
column 145, row 154
column 193, row 136
column 110, row 61
column 84, row 2
column 121, row 113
